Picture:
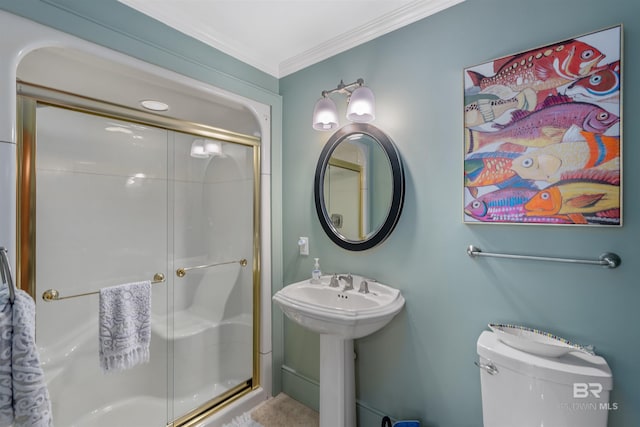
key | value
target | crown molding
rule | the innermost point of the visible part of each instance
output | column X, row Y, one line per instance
column 234, row 50
column 391, row 21
column 400, row 17
column 210, row 38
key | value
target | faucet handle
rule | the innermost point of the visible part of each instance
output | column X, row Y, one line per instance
column 364, row 287
column 334, row 281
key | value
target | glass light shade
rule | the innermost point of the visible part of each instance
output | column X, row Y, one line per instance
column 197, row 149
column 212, row 148
column 362, row 105
column 325, row 114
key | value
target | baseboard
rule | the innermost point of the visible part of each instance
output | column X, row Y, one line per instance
column 300, row 387
column 307, row 391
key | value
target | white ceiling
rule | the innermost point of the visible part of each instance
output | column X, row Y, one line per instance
column 280, row 37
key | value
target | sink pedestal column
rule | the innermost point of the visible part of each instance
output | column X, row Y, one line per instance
column 337, row 382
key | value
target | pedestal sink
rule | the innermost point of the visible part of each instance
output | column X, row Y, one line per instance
column 339, row 316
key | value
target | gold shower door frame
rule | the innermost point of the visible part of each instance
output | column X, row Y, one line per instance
column 29, row 96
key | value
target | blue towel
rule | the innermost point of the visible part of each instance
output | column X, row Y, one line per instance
column 24, row 398
column 125, row 325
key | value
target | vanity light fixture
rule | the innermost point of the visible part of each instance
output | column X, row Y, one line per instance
column 212, row 148
column 360, row 105
column 197, row 149
column 205, row 148
column 325, row 114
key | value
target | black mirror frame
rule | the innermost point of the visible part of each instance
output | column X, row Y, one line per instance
column 397, row 199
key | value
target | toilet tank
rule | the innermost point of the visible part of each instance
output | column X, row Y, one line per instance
column 526, row 390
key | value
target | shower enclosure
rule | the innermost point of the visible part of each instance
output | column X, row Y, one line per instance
column 110, row 196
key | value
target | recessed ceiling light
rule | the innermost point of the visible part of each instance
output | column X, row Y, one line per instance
column 152, row 105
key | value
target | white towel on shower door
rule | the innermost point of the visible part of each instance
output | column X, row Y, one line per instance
column 125, row 326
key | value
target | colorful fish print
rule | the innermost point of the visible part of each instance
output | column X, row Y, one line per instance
column 546, row 125
column 542, row 69
column 557, row 107
column 484, row 108
column 507, row 205
column 491, row 167
column 608, row 217
column 601, row 86
column 551, row 162
column 594, row 192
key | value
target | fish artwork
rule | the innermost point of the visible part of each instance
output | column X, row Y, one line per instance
column 507, row 205
column 542, row 134
column 601, row 86
column 487, row 107
column 542, row 69
column 490, row 167
column 544, row 126
column 584, row 192
column 551, row 162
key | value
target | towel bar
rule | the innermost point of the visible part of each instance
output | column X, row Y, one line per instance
column 607, row 259
column 54, row 295
column 181, row 272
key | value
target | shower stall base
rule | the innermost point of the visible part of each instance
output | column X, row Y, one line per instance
column 139, row 411
column 85, row 397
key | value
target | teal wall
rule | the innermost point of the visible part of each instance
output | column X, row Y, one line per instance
column 421, row 364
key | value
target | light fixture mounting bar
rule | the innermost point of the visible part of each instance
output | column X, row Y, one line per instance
column 344, row 89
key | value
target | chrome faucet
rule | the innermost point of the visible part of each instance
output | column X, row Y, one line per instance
column 349, row 282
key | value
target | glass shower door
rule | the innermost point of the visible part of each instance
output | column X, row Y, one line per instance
column 101, row 221
column 117, row 201
column 213, row 247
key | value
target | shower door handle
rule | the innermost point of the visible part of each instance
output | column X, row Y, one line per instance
column 181, row 272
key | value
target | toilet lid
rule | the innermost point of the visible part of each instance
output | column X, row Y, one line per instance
column 568, row 369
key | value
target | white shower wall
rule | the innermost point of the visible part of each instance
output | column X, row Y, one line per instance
column 213, row 207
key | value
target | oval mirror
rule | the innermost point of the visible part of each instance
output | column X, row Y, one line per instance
column 359, row 187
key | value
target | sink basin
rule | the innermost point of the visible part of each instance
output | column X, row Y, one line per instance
column 339, row 317
column 348, row 314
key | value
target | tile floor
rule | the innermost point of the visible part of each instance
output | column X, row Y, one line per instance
column 283, row 411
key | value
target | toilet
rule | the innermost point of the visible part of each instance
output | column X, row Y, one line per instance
column 520, row 389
